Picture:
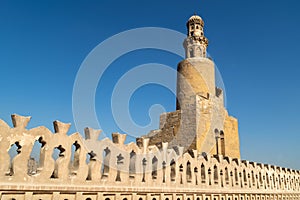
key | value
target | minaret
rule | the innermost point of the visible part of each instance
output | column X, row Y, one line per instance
column 205, row 124
column 196, row 74
column 200, row 122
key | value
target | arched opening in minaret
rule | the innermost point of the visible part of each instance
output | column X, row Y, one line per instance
column 198, row 52
column 191, row 52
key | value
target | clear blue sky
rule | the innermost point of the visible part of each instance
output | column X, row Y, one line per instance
column 255, row 45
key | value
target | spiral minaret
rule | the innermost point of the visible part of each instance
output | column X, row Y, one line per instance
column 200, row 122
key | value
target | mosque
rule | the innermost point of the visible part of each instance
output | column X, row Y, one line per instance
column 193, row 155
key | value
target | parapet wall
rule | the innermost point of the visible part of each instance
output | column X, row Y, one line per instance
column 112, row 167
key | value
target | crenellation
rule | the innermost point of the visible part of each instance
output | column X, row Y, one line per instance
column 20, row 121
column 154, row 167
column 91, row 134
column 60, row 127
column 118, row 138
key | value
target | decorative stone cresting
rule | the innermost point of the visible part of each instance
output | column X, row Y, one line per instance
column 107, row 166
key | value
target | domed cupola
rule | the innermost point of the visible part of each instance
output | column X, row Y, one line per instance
column 194, row 24
column 195, row 43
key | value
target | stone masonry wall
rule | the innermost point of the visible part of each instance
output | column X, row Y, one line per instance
column 111, row 170
column 168, row 128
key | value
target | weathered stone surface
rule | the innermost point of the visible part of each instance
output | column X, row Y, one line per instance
column 201, row 121
column 115, row 167
column 194, row 155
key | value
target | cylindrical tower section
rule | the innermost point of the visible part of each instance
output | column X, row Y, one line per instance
column 195, row 76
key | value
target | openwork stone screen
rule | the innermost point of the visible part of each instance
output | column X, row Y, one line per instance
column 93, row 169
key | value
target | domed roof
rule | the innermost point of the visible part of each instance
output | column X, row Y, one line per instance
column 195, row 18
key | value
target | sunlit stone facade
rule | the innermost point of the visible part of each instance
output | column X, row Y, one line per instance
column 194, row 155
column 201, row 121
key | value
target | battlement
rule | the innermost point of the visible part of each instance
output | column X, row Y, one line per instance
column 114, row 167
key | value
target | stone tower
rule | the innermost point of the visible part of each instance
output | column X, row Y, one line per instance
column 196, row 74
column 201, row 122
